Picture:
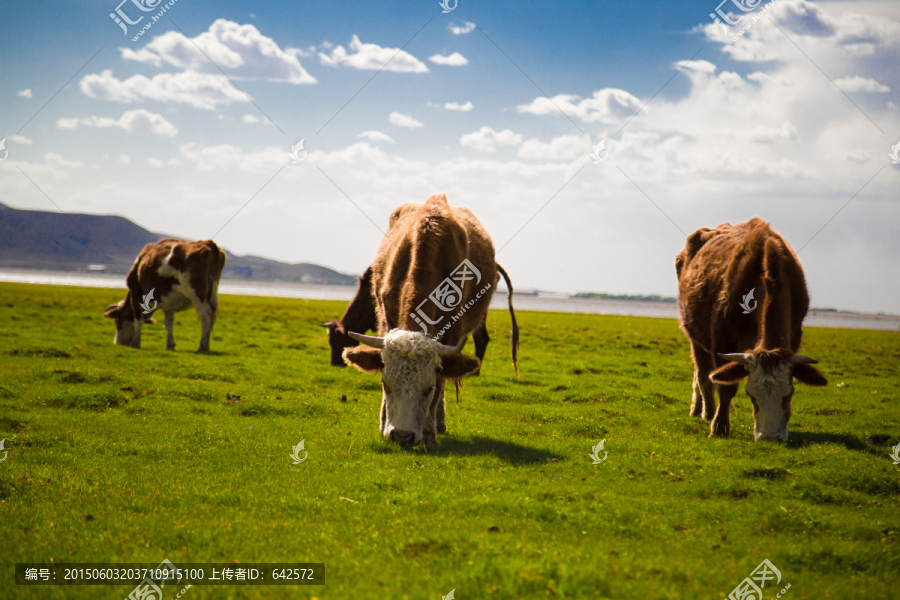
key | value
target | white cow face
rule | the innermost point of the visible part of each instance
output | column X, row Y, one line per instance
column 413, row 369
column 123, row 316
column 127, row 329
column 770, row 386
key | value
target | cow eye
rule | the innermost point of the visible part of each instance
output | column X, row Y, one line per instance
column 429, row 391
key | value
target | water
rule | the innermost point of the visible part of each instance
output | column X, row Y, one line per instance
column 547, row 303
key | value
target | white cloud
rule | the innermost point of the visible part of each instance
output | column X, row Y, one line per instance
column 859, row 156
column 373, row 57
column 487, row 140
column 401, row 120
column 461, row 29
column 57, row 160
column 241, row 51
column 861, row 84
column 251, row 118
column 605, row 106
column 454, row 60
column 564, row 147
column 20, row 139
column 460, row 107
column 26, row 93
column 231, row 157
column 375, row 136
column 200, row 90
column 132, row 121
column 157, row 163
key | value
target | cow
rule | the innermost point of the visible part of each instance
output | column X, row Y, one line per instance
column 359, row 317
column 433, row 259
column 170, row 275
column 718, row 271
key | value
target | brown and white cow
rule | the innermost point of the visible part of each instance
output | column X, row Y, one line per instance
column 717, row 270
column 170, row 275
column 424, row 316
column 360, row 317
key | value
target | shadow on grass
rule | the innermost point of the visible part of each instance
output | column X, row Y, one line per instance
column 850, row 442
column 508, row 452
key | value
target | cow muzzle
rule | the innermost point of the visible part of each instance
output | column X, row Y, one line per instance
column 404, row 438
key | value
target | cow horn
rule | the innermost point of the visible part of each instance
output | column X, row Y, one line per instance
column 799, row 359
column 368, row 340
column 110, row 306
column 445, row 350
column 738, row 357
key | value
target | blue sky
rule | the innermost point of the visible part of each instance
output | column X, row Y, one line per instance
column 153, row 131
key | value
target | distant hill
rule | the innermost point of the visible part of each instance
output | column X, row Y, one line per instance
column 33, row 239
column 596, row 296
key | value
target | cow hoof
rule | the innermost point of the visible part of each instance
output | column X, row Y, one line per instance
column 719, row 430
column 172, row 347
column 202, row 351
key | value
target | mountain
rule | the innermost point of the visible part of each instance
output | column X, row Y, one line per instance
column 33, row 239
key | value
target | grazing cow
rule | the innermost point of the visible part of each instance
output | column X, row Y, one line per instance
column 433, row 260
column 360, row 317
column 170, row 275
column 717, row 272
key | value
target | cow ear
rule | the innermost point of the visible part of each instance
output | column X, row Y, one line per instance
column 459, row 365
column 111, row 312
column 728, row 374
column 364, row 358
column 808, row 374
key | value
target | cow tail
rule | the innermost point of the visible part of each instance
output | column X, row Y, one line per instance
column 514, row 334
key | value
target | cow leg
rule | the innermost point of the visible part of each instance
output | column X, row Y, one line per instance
column 703, row 398
column 207, row 318
column 721, row 424
column 136, row 340
column 434, row 423
column 441, row 414
column 481, row 339
column 170, row 329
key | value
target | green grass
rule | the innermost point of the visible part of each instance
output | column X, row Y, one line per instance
column 145, row 443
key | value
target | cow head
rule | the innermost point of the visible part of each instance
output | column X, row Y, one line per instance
column 413, row 370
column 338, row 339
column 769, row 385
column 123, row 314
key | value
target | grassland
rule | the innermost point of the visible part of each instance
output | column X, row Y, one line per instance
column 122, row 455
